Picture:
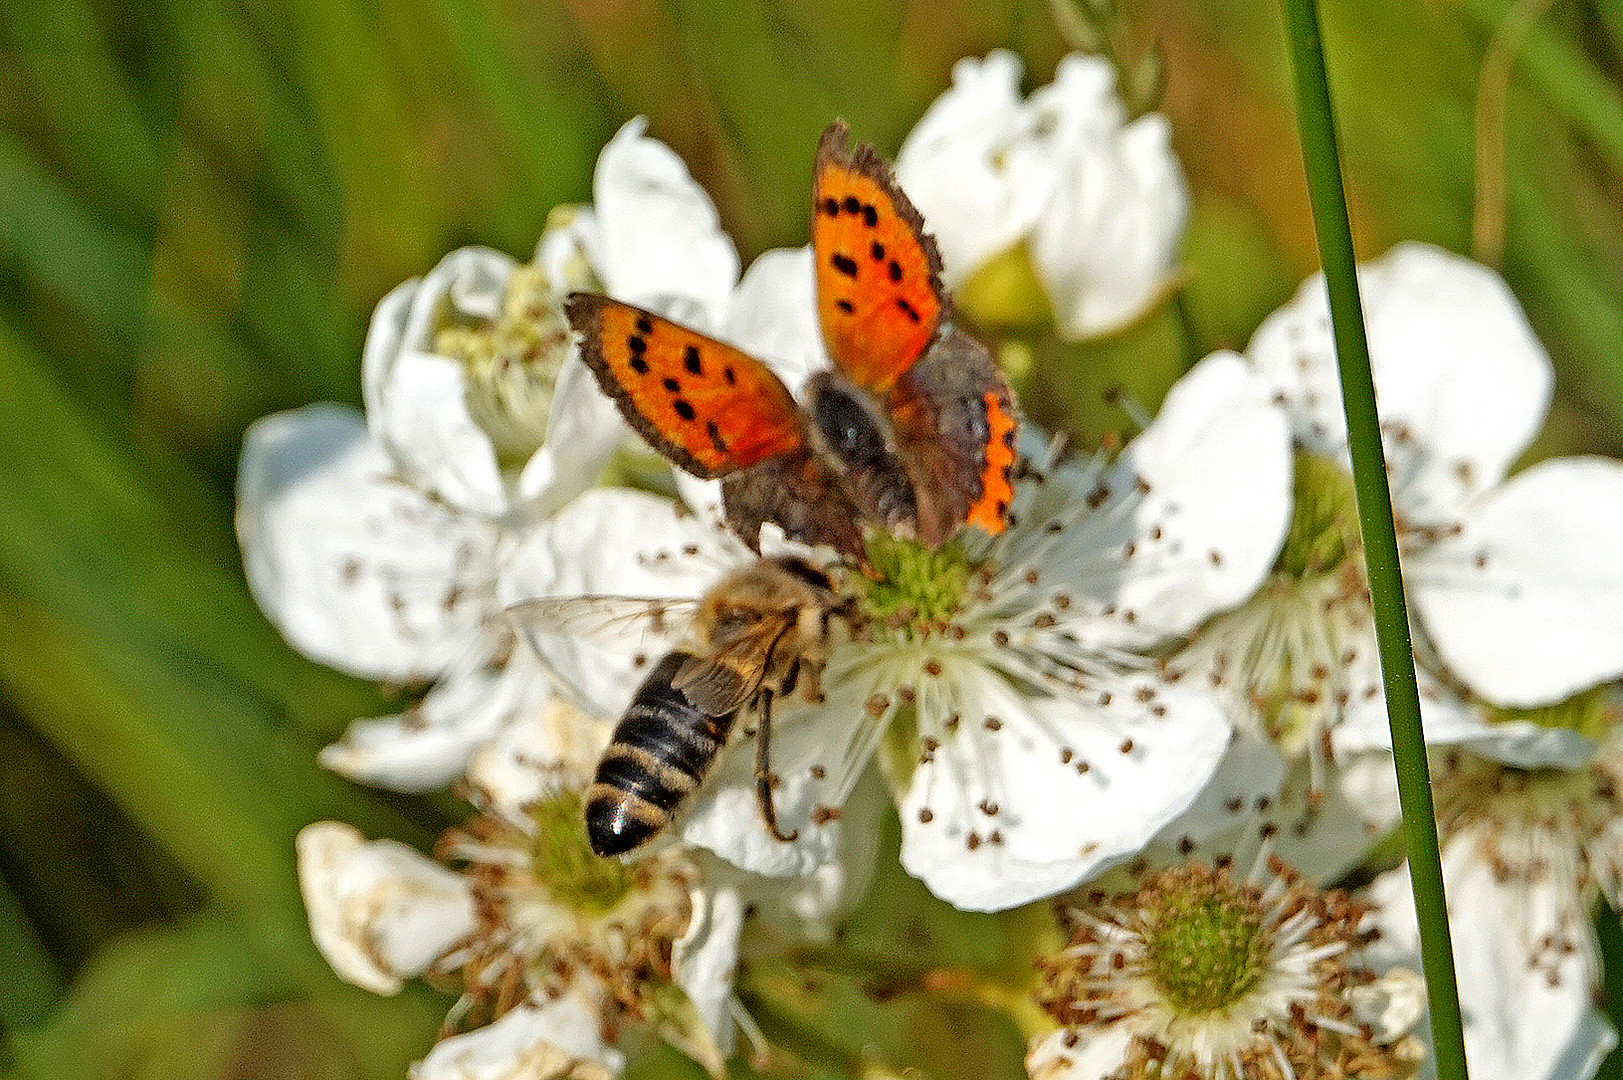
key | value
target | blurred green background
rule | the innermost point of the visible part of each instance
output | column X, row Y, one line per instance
column 201, row 202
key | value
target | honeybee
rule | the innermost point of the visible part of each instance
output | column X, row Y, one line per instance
column 755, row 636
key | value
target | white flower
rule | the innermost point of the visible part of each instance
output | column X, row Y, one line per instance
column 559, row 955
column 1532, row 838
column 1528, row 1014
column 372, row 576
column 473, row 418
column 1100, row 202
column 1509, row 578
column 1002, row 679
column 473, row 392
column 376, row 549
column 651, row 236
column 1257, row 801
column 379, row 912
column 1512, row 578
column 1199, row 974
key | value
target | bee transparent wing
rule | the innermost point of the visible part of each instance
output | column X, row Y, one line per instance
column 624, row 623
column 726, row 679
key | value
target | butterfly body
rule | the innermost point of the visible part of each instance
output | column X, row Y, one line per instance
column 913, row 428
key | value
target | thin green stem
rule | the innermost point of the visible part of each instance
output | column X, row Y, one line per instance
column 1322, row 160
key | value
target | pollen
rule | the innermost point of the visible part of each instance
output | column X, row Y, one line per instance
column 1545, row 832
column 511, row 364
column 1216, row 977
column 1286, row 654
column 552, row 914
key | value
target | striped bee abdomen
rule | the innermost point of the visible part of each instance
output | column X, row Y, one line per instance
column 661, row 751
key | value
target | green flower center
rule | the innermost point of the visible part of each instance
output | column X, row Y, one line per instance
column 913, row 586
column 563, row 863
column 512, row 365
column 1205, row 946
column 1323, row 531
column 1592, row 714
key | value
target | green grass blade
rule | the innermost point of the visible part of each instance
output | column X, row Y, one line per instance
column 1322, row 160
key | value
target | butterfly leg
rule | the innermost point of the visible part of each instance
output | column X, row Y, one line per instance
column 763, row 769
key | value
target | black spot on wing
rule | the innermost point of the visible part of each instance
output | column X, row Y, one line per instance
column 684, row 409
column 907, row 309
column 845, row 264
column 645, row 325
column 673, row 386
column 639, row 365
column 845, row 306
column 691, row 361
column 870, row 216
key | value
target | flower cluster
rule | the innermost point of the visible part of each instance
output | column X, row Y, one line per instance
column 1162, row 669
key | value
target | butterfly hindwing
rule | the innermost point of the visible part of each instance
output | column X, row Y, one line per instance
column 879, row 295
column 703, row 404
column 799, row 493
column 955, row 421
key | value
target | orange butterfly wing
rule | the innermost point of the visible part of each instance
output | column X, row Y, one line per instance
column 879, row 294
column 703, row 404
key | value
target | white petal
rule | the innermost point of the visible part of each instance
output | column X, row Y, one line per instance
column 521, row 762
column 1106, row 244
column 1079, row 105
column 773, row 315
column 1522, row 603
column 532, row 1042
column 612, row 543
column 812, row 906
column 561, row 251
column 1093, row 1054
column 1446, row 716
column 969, row 169
column 416, row 400
column 1369, row 784
column 379, row 912
column 815, row 778
column 726, row 816
column 705, row 957
column 1217, row 464
column 1525, row 745
column 1455, row 366
column 355, row 568
column 659, row 242
column 584, row 429
column 1520, row 1023
column 429, row 745
column 1391, row 1005
column 1061, row 818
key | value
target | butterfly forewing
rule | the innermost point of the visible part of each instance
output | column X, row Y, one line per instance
column 878, row 273
column 702, row 403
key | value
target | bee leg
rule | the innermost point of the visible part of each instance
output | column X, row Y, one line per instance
column 763, row 769
column 814, row 680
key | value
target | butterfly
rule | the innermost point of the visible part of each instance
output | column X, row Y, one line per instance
column 912, row 430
